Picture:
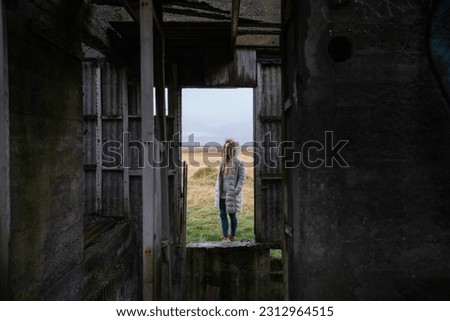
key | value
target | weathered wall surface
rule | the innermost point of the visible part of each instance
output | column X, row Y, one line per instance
column 240, row 270
column 380, row 228
column 111, row 266
column 46, row 245
column 440, row 46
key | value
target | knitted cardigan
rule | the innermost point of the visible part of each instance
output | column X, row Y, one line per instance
column 233, row 183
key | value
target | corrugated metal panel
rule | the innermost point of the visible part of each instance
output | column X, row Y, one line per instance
column 112, row 184
column 136, row 147
column 89, row 147
column 270, row 76
column 112, row 137
column 271, row 203
column 268, row 116
column 110, row 90
column 89, row 192
column 89, row 88
column 270, row 139
column 133, row 107
column 89, row 142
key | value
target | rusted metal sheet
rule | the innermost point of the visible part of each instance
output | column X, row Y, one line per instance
column 268, row 116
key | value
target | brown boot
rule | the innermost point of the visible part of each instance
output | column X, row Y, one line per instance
column 232, row 238
column 225, row 239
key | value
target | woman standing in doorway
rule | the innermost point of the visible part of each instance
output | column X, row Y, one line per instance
column 228, row 190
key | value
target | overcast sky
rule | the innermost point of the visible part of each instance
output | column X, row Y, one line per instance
column 217, row 114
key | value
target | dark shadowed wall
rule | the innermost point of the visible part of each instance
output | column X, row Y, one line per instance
column 380, row 228
column 46, row 244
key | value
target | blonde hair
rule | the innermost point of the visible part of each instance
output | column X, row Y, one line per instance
column 228, row 151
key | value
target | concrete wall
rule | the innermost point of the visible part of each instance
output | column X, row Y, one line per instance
column 111, row 266
column 5, row 210
column 241, row 271
column 380, row 228
column 46, row 244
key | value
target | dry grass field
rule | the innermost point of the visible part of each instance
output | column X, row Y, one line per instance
column 203, row 222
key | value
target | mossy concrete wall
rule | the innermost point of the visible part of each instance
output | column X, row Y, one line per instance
column 46, row 244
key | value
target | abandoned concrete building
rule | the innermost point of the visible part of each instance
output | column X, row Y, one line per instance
column 77, row 226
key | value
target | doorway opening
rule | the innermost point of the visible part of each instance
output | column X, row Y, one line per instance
column 210, row 116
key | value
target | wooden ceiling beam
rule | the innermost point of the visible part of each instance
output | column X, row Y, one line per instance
column 204, row 6
column 236, row 5
column 247, row 31
column 131, row 6
column 196, row 13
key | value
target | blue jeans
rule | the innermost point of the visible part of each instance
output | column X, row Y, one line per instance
column 224, row 219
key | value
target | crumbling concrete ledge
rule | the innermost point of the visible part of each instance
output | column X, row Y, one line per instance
column 236, row 244
column 240, row 269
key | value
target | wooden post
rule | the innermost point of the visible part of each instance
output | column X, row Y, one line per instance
column 126, row 170
column 146, row 30
column 99, row 139
column 162, row 233
column 160, row 88
column 236, row 4
column 5, row 208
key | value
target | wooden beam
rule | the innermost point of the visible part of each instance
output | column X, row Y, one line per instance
column 157, row 23
column 183, row 217
column 91, row 233
column 258, row 41
column 234, row 25
column 102, row 45
column 159, row 89
column 246, row 23
column 146, row 31
column 194, row 5
column 131, row 9
column 126, row 148
column 5, row 207
column 195, row 13
column 248, row 31
column 99, row 140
